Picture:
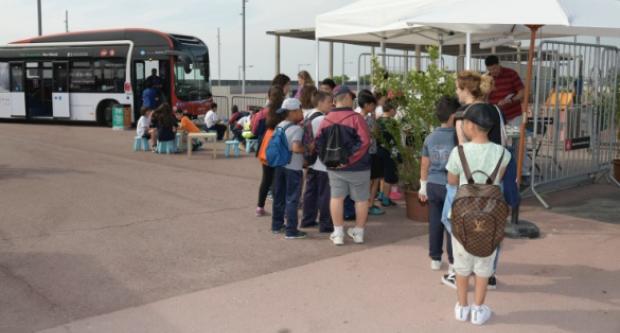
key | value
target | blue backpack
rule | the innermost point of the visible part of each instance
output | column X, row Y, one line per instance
column 277, row 151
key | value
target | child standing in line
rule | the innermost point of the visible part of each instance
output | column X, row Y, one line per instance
column 288, row 178
column 387, row 153
column 433, row 179
column 367, row 104
column 483, row 157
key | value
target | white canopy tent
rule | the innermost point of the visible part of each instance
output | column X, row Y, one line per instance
column 421, row 21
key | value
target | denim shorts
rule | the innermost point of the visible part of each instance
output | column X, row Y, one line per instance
column 355, row 184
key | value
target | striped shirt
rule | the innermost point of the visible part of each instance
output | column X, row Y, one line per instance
column 506, row 83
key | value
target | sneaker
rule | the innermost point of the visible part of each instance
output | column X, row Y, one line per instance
column 260, row 212
column 394, row 195
column 492, row 283
column 358, row 236
column 279, row 231
column 269, row 196
column 449, row 280
column 435, row 265
column 386, row 202
column 480, row 314
column 461, row 313
column 337, row 239
column 374, row 210
column 451, row 269
column 295, row 235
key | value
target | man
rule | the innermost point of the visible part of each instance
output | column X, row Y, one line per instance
column 508, row 90
column 212, row 122
column 353, row 177
column 149, row 97
column 154, row 80
column 327, row 85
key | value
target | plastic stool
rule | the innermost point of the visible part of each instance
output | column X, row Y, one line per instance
column 251, row 145
column 140, row 143
column 166, row 147
column 235, row 145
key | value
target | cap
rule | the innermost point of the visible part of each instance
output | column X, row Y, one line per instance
column 289, row 104
column 342, row 89
column 480, row 114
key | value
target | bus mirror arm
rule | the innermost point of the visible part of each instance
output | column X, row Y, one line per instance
column 186, row 58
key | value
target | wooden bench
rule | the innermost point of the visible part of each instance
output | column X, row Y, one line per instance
column 209, row 137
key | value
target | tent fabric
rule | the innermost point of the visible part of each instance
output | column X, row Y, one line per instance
column 409, row 21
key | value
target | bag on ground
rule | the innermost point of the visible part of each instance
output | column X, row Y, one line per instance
column 479, row 212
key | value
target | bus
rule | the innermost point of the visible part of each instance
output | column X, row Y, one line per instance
column 80, row 76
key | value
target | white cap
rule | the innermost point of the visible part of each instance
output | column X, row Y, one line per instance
column 291, row 104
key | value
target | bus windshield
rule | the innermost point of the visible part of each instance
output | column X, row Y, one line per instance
column 191, row 86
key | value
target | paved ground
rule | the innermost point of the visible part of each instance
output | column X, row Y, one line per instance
column 165, row 244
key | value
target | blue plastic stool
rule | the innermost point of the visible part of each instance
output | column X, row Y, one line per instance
column 251, row 145
column 167, row 147
column 140, row 144
column 235, row 145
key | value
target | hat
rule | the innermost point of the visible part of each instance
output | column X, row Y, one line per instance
column 342, row 89
column 480, row 114
column 289, row 104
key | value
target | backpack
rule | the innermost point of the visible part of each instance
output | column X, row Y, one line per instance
column 333, row 153
column 277, row 151
column 310, row 155
column 262, row 151
column 479, row 212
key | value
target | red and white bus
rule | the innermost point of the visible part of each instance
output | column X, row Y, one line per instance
column 81, row 75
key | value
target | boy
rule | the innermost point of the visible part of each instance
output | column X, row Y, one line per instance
column 143, row 128
column 316, row 196
column 385, row 150
column 288, row 178
column 482, row 156
column 212, row 122
column 433, row 179
column 367, row 104
column 353, row 177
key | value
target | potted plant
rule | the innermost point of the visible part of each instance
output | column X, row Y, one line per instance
column 415, row 95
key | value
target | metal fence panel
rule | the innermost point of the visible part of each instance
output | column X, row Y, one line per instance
column 223, row 106
column 573, row 132
column 397, row 64
column 246, row 103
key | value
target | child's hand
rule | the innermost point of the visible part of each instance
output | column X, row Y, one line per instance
column 422, row 197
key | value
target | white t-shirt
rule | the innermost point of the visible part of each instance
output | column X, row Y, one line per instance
column 379, row 111
column 308, row 112
column 244, row 120
column 211, row 119
column 480, row 157
column 143, row 125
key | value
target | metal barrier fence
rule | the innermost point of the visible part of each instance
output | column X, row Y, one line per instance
column 223, row 106
column 573, row 123
column 398, row 64
column 245, row 103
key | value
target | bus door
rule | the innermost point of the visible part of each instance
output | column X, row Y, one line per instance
column 138, row 86
column 60, row 93
column 18, row 96
column 39, row 77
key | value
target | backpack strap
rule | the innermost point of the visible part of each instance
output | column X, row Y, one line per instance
column 491, row 179
column 468, row 175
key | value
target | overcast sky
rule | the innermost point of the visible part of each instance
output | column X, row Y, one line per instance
column 201, row 18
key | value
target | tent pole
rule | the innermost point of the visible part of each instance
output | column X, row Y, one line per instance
column 331, row 60
column 418, row 57
column 383, row 52
column 468, row 51
column 525, row 101
column 318, row 58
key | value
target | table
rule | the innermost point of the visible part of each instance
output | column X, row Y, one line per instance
column 209, row 137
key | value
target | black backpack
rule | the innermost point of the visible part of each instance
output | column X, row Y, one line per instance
column 310, row 155
column 334, row 154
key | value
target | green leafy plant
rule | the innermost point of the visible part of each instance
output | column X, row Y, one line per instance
column 415, row 95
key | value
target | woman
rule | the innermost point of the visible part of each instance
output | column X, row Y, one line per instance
column 271, row 120
column 306, row 100
column 304, row 79
column 166, row 123
column 473, row 88
column 282, row 81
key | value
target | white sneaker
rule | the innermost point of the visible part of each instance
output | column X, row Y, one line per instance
column 451, row 270
column 461, row 313
column 435, row 265
column 480, row 314
column 337, row 239
column 357, row 235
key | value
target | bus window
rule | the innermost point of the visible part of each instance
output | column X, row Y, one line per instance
column 82, row 77
column 17, row 77
column 5, row 78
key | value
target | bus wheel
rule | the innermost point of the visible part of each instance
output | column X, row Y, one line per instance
column 104, row 113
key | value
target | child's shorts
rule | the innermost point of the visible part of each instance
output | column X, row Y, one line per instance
column 465, row 263
column 376, row 166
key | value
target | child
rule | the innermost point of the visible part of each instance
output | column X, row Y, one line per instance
column 143, row 128
column 288, row 178
column 482, row 156
column 367, row 104
column 433, row 179
column 385, row 150
column 316, row 195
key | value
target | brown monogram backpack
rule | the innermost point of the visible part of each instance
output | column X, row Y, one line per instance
column 479, row 212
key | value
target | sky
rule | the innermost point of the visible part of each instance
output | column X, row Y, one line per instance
column 200, row 18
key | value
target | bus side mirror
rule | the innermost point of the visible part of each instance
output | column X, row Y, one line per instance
column 187, row 63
